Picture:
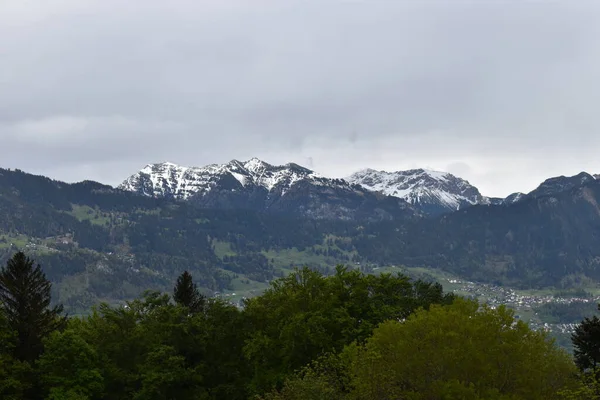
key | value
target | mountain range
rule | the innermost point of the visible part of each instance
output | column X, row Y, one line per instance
column 291, row 188
column 257, row 185
column 238, row 225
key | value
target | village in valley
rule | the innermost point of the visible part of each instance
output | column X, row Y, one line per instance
column 527, row 305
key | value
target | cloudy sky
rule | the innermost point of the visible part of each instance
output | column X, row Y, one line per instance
column 502, row 93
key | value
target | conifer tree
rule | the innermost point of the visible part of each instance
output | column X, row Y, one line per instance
column 186, row 293
column 25, row 302
column 586, row 343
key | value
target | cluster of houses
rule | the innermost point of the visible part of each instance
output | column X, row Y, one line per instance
column 495, row 296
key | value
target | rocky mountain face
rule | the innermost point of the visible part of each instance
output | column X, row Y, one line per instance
column 174, row 181
column 513, row 198
column 550, row 186
column 257, row 185
column 432, row 192
column 561, row 184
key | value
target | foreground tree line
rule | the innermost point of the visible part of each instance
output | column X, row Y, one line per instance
column 345, row 336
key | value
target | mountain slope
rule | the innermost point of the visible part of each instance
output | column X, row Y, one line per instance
column 546, row 240
column 513, row 198
column 257, row 185
column 551, row 186
column 560, row 184
column 431, row 191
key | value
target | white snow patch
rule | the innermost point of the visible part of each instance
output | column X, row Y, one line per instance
column 420, row 186
column 240, row 178
column 182, row 182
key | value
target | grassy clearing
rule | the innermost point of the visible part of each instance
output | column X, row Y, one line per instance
column 242, row 287
column 223, row 249
column 18, row 241
column 86, row 213
column 243, row 284
column 595, row 291
column 287, row 259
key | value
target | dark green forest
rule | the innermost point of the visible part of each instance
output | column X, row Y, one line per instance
column 309, row 336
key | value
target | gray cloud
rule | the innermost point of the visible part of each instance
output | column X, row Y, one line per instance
column 503, row 93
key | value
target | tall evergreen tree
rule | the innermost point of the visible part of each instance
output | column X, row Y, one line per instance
column 25, row 301
column 586, row 343
column 186, row 293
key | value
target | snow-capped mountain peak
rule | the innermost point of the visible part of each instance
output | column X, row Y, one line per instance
column 436, row 174
column 257, row 185
column 167, row 179
column 254, row 165
column 435, row 191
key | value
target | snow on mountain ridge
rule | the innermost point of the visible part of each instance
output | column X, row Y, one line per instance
column 432, row 192
column 421, row 186
column 167, row 179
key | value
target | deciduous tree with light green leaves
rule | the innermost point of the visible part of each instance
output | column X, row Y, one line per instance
column 461, row 351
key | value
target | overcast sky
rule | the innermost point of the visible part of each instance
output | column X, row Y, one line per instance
column 502, row 93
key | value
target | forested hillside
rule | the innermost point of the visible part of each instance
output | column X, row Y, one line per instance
column 97, row 242
column 100, row 243
column 541, row 241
